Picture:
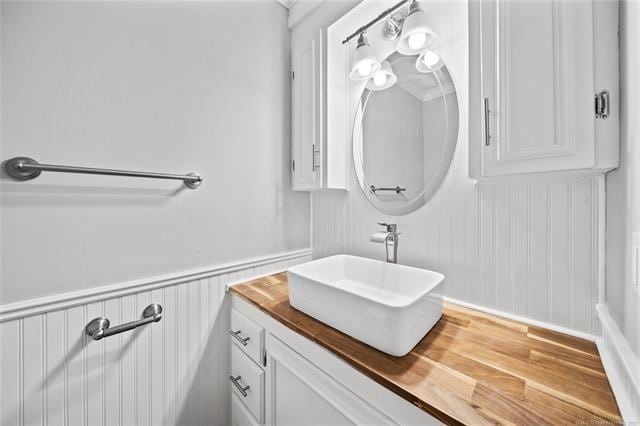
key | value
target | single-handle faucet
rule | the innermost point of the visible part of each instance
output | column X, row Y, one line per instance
column 390, row 240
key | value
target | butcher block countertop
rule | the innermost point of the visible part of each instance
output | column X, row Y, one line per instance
column 471, row 368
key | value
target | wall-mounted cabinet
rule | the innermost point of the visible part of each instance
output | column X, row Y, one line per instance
column 318, row 161
column 307, row 121
column 536, row 69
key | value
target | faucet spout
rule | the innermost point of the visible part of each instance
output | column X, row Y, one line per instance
column 379, row 237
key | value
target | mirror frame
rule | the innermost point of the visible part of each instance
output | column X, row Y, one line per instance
column 441, row 169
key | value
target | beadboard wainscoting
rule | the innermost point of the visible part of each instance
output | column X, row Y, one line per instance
column 528, row 247
column 621, row 365
column 171, row 372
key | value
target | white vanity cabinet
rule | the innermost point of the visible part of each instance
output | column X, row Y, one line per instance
column 299, row 393
column 316, row 162
column 536, row 69
column 297, row 382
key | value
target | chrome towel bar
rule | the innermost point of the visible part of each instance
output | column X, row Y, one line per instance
column 25, row 168
column 98, row 328
column 397, row 189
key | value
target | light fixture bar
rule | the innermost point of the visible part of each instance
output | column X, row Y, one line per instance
column 386, row 14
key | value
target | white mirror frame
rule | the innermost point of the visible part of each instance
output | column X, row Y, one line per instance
column 444, row 164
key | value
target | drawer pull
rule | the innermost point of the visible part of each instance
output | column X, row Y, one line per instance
column 243, row 389
column 236, row 334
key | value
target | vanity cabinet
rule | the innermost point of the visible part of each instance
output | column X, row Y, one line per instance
column 537, row 70
column 297, row 382
column 299, row 393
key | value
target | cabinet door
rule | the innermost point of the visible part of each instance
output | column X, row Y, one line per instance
column 306, row 115
column 537, row 85
column 299, row 393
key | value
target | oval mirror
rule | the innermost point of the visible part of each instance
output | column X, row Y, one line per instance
column 405, row 135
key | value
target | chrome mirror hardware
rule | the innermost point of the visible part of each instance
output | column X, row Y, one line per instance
column 243, row 340
column 99, row 328
column 242, row 389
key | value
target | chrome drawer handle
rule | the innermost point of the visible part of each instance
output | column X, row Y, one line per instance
column 243, row 389
column 236, row 334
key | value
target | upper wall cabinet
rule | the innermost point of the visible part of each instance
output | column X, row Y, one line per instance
column 538, row 68
column 306, row 115
column 317, row 160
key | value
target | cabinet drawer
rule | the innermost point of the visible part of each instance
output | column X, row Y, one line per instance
column 248, row 335
column 240, row 416
column 247, row 383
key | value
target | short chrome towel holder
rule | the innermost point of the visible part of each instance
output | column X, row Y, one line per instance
column 25, row 168
column 98, row 328
column 397, row 189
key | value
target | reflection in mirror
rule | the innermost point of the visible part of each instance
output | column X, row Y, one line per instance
column 405, row 135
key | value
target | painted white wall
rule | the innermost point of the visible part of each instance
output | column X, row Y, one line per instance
column 526, row 247
column 623, row 185
column 159, row 86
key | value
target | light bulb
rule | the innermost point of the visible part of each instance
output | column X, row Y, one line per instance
column 364, row 68
column 417, row 40
column 379, row 78
column 430, row 58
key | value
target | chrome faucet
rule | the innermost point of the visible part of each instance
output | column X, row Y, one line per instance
column 390, row 240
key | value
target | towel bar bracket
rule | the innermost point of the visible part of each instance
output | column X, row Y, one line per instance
column 15, row 168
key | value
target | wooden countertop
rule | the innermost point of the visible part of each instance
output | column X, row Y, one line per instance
column 471, row 368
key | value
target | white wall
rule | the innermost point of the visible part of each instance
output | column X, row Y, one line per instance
column 527, row 247
column 159, row 86
column 623, row 185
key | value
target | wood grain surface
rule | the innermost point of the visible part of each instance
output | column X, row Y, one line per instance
column 471, row 368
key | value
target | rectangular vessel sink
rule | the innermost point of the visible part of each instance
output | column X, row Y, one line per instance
column 390, row 307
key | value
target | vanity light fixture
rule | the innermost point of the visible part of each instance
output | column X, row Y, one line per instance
column 383, row 78
column 364, row 64
column 393, row 26
column 428, row 61
column 417, row 36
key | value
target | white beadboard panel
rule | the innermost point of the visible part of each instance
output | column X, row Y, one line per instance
column 621, row 365
column 529, row 248
column 173, row 372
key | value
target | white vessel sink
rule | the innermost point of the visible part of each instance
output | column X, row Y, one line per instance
column 387, row 306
